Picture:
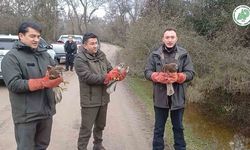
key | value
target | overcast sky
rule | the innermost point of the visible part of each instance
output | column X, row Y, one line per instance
column 100, row 12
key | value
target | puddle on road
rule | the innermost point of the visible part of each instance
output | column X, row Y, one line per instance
column 217, row 134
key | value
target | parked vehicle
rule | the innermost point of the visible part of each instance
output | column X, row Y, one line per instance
column 50, row 50
column 59, row 46
column 76, row 38
column 60, row 56
column 7, row 42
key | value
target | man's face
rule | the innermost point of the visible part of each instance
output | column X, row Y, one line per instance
column 70, row 39
column 30, row 38
column 169, row 39
column 91, row 45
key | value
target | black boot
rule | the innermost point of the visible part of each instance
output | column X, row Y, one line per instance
column 71, row 66
column 98, row 146
column 66, row 68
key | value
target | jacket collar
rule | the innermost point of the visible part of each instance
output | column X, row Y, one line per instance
column 181, row 51
column 98, row 55
column 23, row 47
column 169, row 50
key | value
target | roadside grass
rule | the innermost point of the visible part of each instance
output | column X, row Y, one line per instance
column 143, row 89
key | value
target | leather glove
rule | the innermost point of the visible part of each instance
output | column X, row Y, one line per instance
column 172, row 77
column 181, row 77
column 53, row 83
column 45, row 82
column 160, row 77
column 36, row 84
column 112, row 75
column 177, row 77
column 122, row 75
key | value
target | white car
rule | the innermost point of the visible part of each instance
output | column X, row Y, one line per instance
column 60, row 56
column 50, row 50
column 76, row 38
column 6, row 44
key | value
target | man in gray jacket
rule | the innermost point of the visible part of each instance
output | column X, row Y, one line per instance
column 94, row 73
column 169, row 53
column 30, row 89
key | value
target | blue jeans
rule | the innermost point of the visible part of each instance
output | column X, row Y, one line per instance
column 161, row 115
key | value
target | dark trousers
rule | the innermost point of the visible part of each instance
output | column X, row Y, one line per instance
column 33, row 135
column 69, row 61
column 161, row 115
column 92, row 116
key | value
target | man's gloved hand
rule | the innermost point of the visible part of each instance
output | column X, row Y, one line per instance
column 36, row 84
column 122, row 74
column 160, row 77
column 181, row 77
column 45, row 82
column 112, row 75
column 53, row 83
column 172, row 77
column 178, row 77
column 165, row 78
column 116, row 74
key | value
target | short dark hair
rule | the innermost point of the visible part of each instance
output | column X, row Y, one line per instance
column 87, row 36
column 23, row 28
column 169, row 29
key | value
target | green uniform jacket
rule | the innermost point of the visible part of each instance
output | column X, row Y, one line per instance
column 91, row 70
column 18, row 66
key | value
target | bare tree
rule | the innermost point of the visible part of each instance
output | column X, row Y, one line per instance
column 11, row 13
column 119, row 15
column 127, row 10
column 83, row 11
column 133, row 8
column 89, row 7
column 74, row 15
column 45, row 12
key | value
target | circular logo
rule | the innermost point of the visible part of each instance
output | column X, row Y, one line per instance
column 241, row 15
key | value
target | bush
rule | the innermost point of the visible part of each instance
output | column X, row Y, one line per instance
column 221, row 63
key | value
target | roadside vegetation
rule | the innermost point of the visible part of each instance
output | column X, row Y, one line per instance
column 220, row 50
column 143, row 89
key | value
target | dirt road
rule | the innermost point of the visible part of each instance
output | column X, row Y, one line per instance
column 127, row 128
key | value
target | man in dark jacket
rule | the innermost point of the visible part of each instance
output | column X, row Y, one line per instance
column 94, row 73
column 70, row 48
column 168, row 53
column 30, row 89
